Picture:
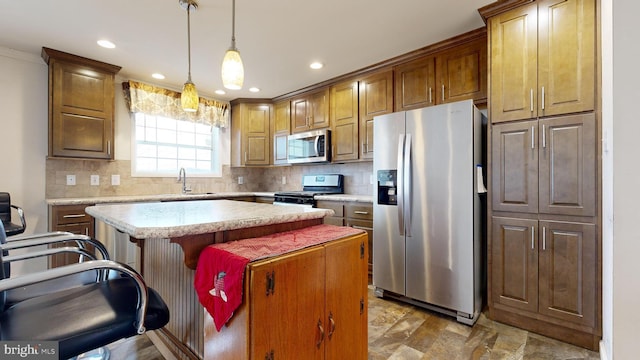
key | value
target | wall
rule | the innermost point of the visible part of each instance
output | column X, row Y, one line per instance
column 23, row 137
column 624, row 264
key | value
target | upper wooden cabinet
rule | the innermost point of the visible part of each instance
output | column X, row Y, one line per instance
column 250, row 134
column 354, row 103
column 310, row 111
column 545, row 166
column 458, row 73
column 462, row 72
column 81, row 106
column 542, row 60
column 344, row 121
column 376, row 98
column 415, row 84
column 280, row 129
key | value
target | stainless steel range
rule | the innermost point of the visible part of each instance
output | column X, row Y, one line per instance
column 312, row 185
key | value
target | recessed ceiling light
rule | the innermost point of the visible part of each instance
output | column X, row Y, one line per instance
column 220, row 92
column 254, row 89
column 157, row 76
column 106, row 44
column 316, row 65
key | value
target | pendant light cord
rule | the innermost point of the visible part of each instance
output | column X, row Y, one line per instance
column 189, row 36
column 233, row 24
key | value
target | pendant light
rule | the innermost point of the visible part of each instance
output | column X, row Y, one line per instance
column 232, row 69
column 189, row 97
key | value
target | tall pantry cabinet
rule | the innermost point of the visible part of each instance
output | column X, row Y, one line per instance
column 544, row 249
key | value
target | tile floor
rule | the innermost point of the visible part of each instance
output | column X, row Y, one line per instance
column 401, row 331
column 398, row 331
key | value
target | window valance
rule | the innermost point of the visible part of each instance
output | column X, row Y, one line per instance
column 158, row 101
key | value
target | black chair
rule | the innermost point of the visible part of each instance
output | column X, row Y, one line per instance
column 5, row 214
column 30, row 241
column 84, row 317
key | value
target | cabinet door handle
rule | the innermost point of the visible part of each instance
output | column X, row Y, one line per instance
column 544, row 137
column 544, row 238
column 430, row 98
column 533, row 237
column 442, row 92
column 321, row 333
column 543, row 98
column 531, row 99
column 72, row 216
column 109, row 147
column 245, row 157
column 332, row 322
column 533, row 137
column 361, row 212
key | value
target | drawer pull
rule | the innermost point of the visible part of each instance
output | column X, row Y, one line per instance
column 361, row 212
column 361, row 227
column 74, row 216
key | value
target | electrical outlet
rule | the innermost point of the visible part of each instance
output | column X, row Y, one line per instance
column 71, row 179
column 115, row 180
column 240, row 180
column 284, row 180
column 95, row 180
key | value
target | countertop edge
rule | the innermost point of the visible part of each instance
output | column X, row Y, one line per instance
column 181, row 197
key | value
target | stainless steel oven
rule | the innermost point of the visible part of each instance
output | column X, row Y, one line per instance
column 312, row 185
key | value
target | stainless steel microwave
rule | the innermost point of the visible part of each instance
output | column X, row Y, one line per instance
column 309, row 147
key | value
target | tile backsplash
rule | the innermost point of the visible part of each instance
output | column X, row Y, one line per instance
column 358, row 177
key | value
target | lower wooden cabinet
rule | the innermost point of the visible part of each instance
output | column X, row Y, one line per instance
column 73, row 219
column 544, row 273
column 314, row 308
column 354, row 214
column 360, row 216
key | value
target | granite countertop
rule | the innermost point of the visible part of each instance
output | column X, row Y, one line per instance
column 180, row 218
column 152, row 198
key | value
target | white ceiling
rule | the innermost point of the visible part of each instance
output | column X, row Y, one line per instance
column 276, row 38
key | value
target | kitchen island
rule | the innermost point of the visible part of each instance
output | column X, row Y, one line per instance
column 171, row 236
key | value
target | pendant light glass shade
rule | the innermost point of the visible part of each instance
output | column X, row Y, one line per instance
column 189, row 98
column 232, row 68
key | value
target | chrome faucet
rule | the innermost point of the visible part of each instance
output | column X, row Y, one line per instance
column 182, row 175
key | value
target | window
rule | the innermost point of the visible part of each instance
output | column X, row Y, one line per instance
column 161, row 146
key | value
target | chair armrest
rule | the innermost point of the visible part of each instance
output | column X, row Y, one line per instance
column 20, row 215
column 55, row 239
column 39, row 235
column 33, row 278
column 48, row 252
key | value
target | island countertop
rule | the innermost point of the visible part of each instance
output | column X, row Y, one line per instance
column 184, row 218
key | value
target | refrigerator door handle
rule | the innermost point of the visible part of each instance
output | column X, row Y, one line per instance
column 400, row 184
column 407, row 184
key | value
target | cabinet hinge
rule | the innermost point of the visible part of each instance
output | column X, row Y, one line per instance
column 271, row 282
column 362, row 250
column 361, row 306
column 269, row 355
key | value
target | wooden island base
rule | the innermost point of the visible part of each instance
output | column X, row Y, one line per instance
column 306, row 304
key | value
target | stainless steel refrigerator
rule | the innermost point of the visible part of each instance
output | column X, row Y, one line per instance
column 427, row 240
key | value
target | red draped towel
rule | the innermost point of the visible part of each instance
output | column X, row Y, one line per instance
column 220, row 271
